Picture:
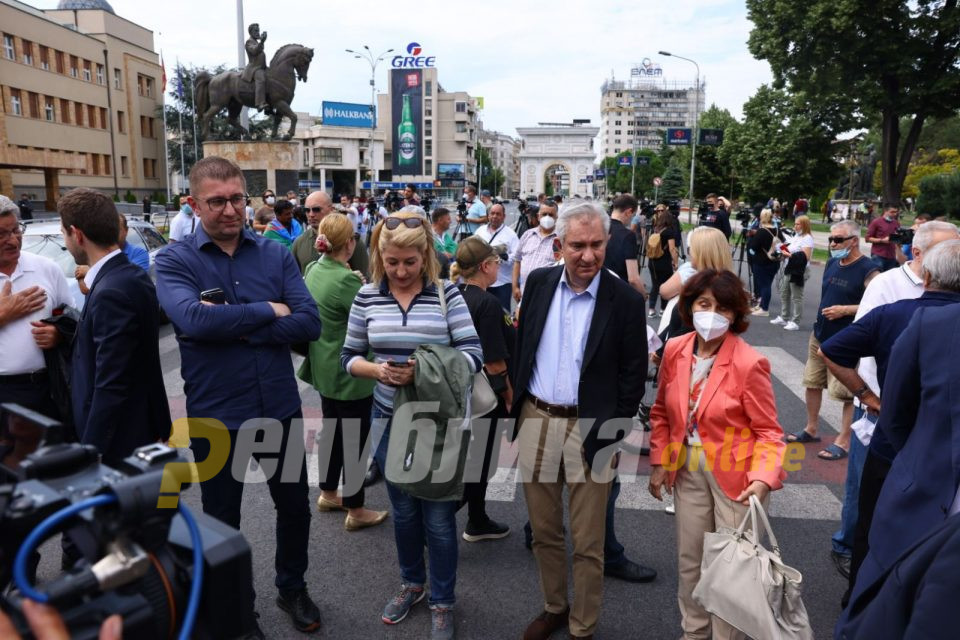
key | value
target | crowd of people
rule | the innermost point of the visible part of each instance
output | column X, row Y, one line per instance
column 394, row 307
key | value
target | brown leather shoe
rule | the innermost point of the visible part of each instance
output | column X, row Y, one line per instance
column 545, row 624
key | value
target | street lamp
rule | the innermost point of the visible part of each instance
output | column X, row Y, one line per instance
column 367, row 55
column 696, row 130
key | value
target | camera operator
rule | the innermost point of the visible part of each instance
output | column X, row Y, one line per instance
column 716, row 216
column 883, row 251
column 526, row 218
column 476, row 213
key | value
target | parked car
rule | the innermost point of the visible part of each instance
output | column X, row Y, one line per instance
column 45, row 238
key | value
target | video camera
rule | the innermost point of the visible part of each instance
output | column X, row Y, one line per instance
column 393, row 201
column 462, row 209
column 903, row 235
column 164, row 570
column 744, row 214
column 673, row 206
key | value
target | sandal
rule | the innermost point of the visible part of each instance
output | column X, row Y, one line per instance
column 802, row 436
column 833, row 452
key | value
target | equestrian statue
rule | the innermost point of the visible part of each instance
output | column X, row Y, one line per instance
column 267, row 88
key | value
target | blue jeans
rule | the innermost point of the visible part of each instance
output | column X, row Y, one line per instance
column 885, row 264
column 417, row 523
column 763, row 275
column 842, row 540
column 613, row 553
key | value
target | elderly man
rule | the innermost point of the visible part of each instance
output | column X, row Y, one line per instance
column 578, row 379
column 884, row 312
column 535, row 248
column 31, row 287
column 845, row 278
column 496, row 233
column 920, row 419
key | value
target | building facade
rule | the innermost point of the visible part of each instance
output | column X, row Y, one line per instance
column 81, row 93
column 338, row 159
column 557, row 158
column 634, row 114
column 504, row 155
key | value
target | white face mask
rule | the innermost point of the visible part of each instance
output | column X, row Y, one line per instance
column 548, row 222
column 271, row 200
column 710, row 325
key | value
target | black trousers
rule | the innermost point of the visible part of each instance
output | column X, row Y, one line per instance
column 222, row 496
column 345, row 439
column 475, row 493
column 660, row 272
column 875, row 470
column 32, row 395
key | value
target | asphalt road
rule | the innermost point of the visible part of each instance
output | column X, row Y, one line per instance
column 352, row 575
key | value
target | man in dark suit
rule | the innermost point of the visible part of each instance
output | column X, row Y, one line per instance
column 578, row 379
column 119, row 402
column 920, row 490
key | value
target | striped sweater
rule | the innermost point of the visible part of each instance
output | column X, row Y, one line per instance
column 378, row 324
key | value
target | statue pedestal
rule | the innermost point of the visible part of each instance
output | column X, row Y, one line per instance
column 265, row 164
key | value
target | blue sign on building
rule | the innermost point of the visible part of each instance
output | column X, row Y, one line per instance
column 679, row 136
column 625, row 161
column 346, row 114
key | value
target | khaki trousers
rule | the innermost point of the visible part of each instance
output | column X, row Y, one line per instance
column 701, row 507
column 551, row 457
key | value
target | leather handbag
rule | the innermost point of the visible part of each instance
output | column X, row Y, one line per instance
column 748, row 586
column 483, row 399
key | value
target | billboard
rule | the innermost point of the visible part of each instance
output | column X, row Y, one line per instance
column 347, row 114
column 413, row 59
column 679, row 136
column 406, row 97
column 450, row 171
column 711, row 137
column 624, row 161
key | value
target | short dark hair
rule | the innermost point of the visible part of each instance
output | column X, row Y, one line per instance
column 711, row 195
column 412, row 187
column 472, row 189
column 558, row 198
column 438, row 213
column 93, row 213
column 625, row 202
column 726, row 288
column 216, row 168
column 923, row 216
column 281, row 206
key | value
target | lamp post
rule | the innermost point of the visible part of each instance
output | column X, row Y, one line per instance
column 696, row 130
column 367, row 55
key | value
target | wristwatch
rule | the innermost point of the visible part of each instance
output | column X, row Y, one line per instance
column 859, row 392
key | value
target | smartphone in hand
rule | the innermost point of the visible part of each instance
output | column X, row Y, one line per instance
column 214, row 296
column 401, row 365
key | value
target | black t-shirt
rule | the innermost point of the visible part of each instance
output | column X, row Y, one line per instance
column 621, row 247
column 496, row 332
column 719, row 219
column 666, row 234
column 760, row 243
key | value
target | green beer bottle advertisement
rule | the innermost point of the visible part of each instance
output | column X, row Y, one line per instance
column 407, row 137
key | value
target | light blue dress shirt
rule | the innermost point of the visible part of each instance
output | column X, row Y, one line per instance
column 556, row 371
column 476, row 211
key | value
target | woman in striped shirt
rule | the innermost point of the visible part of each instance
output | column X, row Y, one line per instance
column 392, row 316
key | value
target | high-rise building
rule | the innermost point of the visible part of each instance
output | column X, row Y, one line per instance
column 635, row 113
column 81, row 94
column 504, row 155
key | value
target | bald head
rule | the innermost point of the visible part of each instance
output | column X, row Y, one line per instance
column 321, row 200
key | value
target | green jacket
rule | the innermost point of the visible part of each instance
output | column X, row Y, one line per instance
column 303, row 248
column 334, row 288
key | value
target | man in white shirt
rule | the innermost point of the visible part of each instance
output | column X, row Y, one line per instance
column 31, row 287
column 183, row 223
column 496, row 233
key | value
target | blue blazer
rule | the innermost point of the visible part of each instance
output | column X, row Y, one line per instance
column 921, row 419
column 119, row 401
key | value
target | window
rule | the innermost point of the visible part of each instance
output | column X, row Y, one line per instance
column 124, row 166
column 91, row 116
column 48, row 110
column 58, row 56
column 428, row 167
column 8, row 49
column 306, row 156
column 106, row 165
column 15, row 106
column 146, row 168
column 103, row 118
column 117, row 80
column 427, row 109
column 461, row 107
column 428, row 147
column 328, row 155
column 27, row 48
column 95, row 164
column 617, row 122
column 428, row 128
column 74, row 66
column 428, row 87
column 461, row 127
column 34, row 103
column 145, row 85
column 86, row 70
column 153, row 168
column 121, row 122
column 44, row 58
column 100, row 78
column 151, row 238
column 78, row 112
column 146, row 127
column 64, row 111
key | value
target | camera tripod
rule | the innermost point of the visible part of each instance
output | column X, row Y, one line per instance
column 740, row 256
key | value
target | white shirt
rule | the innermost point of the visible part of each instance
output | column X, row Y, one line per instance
column 556, row 369
column 91, row 276
column 360, row 221
column 20, row 353
column 505, row 236
column 181, row 225
column 799, row 243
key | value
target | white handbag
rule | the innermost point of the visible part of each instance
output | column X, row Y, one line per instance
column 748, row 586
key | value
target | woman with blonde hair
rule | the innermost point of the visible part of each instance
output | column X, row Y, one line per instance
column 345, row 400
column 708, row 249
column 799, row 252
column 764, row 251
column 399, row 310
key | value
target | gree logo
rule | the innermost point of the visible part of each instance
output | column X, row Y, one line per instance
column 414, row 60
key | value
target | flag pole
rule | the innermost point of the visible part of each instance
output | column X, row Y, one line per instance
column 183, row 166
column 193, row 104
column 166, row 151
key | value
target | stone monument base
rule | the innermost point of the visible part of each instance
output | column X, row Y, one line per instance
column 265, row 164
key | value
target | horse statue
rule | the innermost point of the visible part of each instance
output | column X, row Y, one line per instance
column 228, row 89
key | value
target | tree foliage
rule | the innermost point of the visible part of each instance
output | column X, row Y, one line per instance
column 492, row 177
column 674, row 185
column 861, row 60
column 714, row 173
column 925, row 164
column 940, row 195
column 619, row 178
column 781, row 149
column 179, row 109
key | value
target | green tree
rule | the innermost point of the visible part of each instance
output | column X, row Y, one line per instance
column 714, row 173
column 674, row 185
column 861, row 60
column 619, row 178
column 179, row 109
column 940, row 195
column 492, row 178
column 781, row 149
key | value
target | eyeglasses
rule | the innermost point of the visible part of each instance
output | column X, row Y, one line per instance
column 394, row 222
column 839, row 239
column 314, row 209
column 217, row 205
column 16, row 233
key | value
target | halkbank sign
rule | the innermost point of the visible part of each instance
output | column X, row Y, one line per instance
column 413, row 59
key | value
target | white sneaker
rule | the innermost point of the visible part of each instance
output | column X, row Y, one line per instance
column 792, row 326
column 778, row 320
column 760, row 312
column 669, row 508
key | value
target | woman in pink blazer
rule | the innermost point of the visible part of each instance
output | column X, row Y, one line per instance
column 715, row 437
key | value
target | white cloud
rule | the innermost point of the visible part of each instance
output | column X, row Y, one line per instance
column 532, row 62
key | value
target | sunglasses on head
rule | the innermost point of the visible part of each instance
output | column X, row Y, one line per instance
column 410, row 223
column 839, row 239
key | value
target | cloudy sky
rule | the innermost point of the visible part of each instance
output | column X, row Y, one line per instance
column 531, row 61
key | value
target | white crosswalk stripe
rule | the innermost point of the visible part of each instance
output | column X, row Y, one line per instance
column 789, row 371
